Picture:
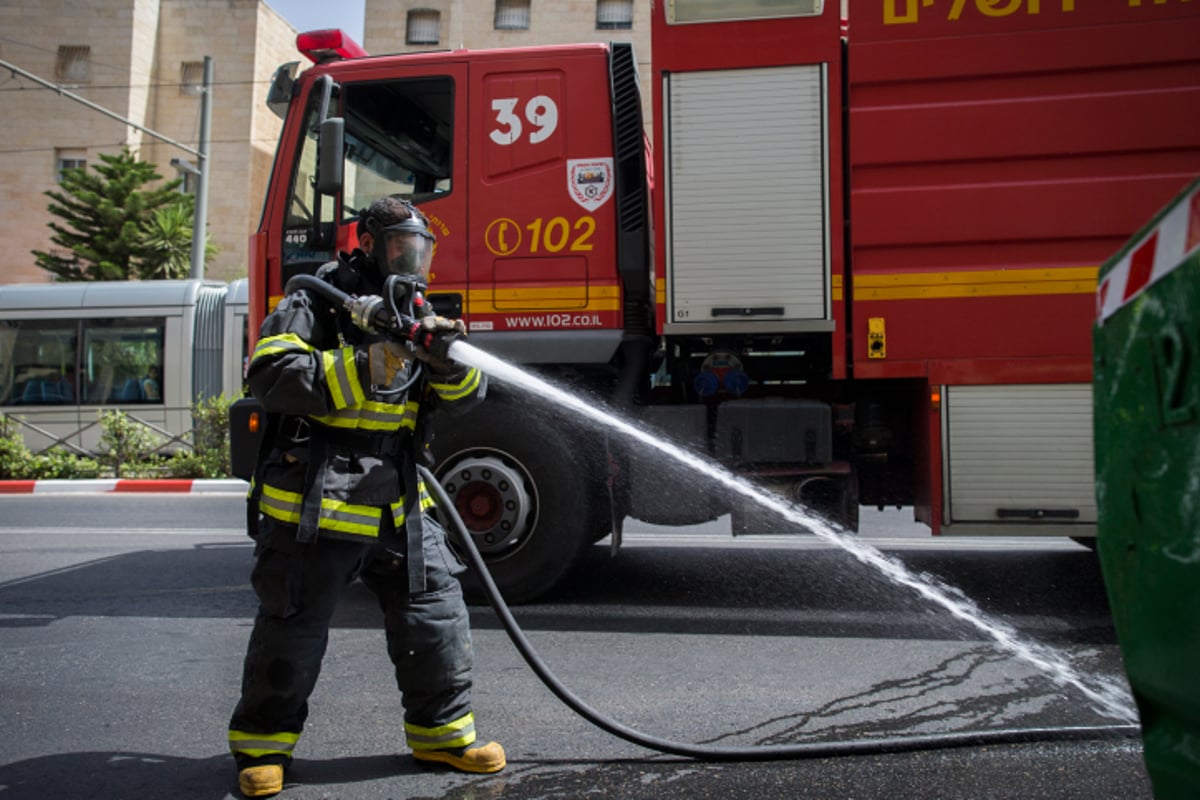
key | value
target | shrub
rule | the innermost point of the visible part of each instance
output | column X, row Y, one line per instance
column 60, row 463
column 127, row 450
column 210, row 432
column 17, row 463
column 124, row 441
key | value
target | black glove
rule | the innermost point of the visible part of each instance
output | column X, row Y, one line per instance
column 433, row 337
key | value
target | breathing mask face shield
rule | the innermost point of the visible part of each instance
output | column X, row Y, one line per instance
column 405, row 249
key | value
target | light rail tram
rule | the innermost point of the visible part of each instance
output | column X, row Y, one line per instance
column 151, row 349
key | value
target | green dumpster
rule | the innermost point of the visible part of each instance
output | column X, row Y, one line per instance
column 1147, row 417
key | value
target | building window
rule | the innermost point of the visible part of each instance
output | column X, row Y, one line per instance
column 614, row 15
column 69, row 159
column 512, row 15
column 74, row 64
column 191, row 77
column 424, row 26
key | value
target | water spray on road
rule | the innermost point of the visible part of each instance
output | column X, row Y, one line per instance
column 1107, row 696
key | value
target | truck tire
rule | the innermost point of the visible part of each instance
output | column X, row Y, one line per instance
column 522, row 492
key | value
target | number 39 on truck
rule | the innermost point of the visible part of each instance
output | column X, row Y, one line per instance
column 853, row 257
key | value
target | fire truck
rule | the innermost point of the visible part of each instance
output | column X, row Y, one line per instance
column 855, row 256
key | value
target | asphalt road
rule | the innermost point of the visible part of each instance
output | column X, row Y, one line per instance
column 123, row 621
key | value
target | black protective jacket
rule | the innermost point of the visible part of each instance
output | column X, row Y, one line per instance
column 343, row 451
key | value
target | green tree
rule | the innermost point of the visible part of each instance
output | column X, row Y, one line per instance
column 109, row 229
column 168, row 237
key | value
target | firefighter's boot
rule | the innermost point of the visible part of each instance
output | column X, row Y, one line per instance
column 481, row 758
column 263, row 780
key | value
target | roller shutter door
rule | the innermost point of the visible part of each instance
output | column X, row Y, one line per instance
column 1020, row 455
column 747, row 196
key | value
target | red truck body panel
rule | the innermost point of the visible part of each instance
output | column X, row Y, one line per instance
column 996, row 160
column 963, row 167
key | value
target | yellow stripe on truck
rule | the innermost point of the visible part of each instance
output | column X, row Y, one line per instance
column 552, row 298
column 985, row 283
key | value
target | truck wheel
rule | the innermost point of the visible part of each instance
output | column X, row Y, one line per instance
column 522, row 494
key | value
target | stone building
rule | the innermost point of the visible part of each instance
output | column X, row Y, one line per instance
column 143, row 60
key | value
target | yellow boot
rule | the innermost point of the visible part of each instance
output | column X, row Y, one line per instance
column 261, row 781
column 480, row 758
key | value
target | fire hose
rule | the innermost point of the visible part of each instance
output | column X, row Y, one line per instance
column 386, row 320
column 893, row 744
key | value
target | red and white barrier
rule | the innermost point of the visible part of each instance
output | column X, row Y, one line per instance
column 127, row 485
column 1155, row 255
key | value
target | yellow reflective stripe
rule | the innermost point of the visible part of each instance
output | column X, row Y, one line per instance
column 256, row 745
column 459, row 733
column 341, row 375
column 372, row 415
column 427, row 502
column 336, row 515
column 281, row 505
column 457, row 391
column 283, row 343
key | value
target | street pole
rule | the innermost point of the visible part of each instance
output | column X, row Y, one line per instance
column 200, row 220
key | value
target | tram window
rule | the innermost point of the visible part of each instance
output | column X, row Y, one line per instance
column 122, row 361
column 37, row 362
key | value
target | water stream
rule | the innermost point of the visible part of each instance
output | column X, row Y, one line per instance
column 1107, row 696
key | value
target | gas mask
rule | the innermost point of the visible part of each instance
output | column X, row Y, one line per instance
column 405, row 249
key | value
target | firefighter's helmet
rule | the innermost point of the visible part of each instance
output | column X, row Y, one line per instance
column 403, row 243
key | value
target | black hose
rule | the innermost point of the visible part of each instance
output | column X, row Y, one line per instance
column 324, row 288
column 890, row 744
column 389, row 318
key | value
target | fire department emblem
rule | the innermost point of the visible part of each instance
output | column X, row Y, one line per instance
column 590, row 181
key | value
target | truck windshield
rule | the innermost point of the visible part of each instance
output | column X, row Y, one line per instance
column 399, row 137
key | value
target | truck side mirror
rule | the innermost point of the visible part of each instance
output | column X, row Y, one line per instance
column 329, row 156
column 283, row 84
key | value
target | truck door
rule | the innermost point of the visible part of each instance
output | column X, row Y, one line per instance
column 406, row 135
column 543, row 207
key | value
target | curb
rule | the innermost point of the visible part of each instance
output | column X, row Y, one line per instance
column 128, row 486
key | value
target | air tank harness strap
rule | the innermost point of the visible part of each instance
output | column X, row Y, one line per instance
column 379, row 446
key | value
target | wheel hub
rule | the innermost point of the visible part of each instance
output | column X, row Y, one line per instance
column 491, row 497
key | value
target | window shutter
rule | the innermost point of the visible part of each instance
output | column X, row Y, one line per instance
column 614, row 14
column 74, row 64
column 512, row 15
column 191, row 77
column 424, row 26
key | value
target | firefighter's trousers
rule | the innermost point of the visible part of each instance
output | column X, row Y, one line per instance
column 298, row 586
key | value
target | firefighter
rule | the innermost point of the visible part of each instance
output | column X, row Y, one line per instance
column 336, row 496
